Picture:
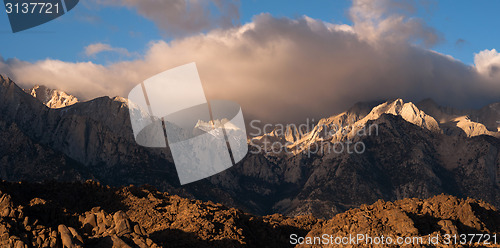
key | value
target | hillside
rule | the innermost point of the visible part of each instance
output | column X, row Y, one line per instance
column 92, row 215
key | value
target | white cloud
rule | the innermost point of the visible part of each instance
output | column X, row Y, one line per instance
column 93, row 49
column 282, row 69
column 389, row 20
column 488, row 63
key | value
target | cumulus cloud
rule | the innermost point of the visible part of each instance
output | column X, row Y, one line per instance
column 389, row 20
column 284, row 70
column 93, row 49
column 488, row 63
column 183, row 17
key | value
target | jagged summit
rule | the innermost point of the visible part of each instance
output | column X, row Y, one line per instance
column 426, row 114
column 471, row 122
column 50, row 97
column 408, row 111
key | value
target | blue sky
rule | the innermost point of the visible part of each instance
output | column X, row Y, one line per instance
column 467, row 27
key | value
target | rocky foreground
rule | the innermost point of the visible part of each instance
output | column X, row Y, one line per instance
column 91, row 215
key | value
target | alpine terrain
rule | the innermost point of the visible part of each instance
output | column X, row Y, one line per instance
column 419, row 161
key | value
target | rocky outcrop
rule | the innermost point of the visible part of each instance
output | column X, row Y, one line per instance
column 46, row 223
column 92, row 215
column 411, row 222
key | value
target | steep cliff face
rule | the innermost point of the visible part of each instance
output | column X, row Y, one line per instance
column 96, row 135
column 409, row 154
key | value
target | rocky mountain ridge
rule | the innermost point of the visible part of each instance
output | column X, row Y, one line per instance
column 408, row 157
column 346, row 125
column 50, row 97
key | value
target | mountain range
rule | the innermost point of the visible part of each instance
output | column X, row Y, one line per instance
column 415, row 151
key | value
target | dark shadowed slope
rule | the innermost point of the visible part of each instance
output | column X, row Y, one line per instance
column 91, row 215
